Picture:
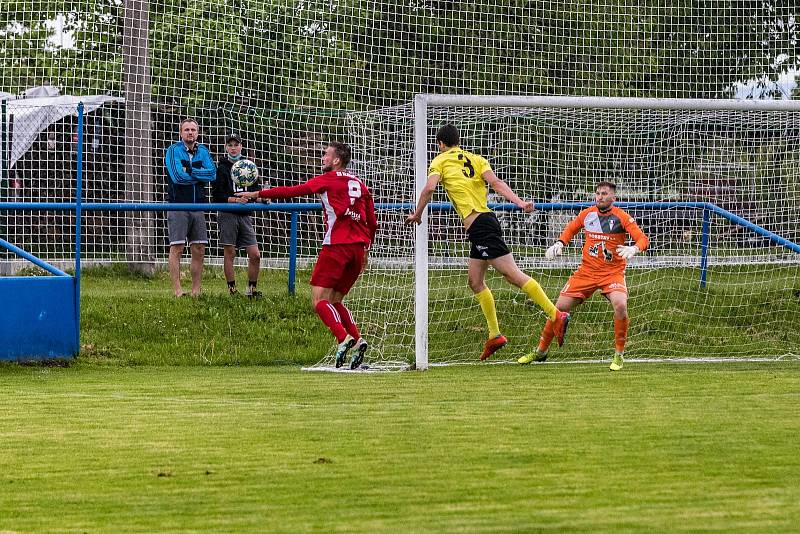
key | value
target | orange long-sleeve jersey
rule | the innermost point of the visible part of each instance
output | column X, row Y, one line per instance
column 604, row 232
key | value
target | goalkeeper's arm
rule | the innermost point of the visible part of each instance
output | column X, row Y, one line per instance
column 566, row 236
column 554, row 250
column 641, row 241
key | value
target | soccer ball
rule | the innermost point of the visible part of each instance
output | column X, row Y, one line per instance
column 244, row 173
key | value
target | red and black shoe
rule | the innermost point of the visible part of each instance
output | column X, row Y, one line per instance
column 493, row 345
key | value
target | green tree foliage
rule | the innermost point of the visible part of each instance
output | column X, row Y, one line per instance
column 32, row 55
column 358, row 54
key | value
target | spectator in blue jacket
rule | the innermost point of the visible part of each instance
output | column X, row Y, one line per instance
column 190, row 167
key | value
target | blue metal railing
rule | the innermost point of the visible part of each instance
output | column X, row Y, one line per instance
column 31, row 258
column 295, row 208
column 705, row 240
column 293, row 251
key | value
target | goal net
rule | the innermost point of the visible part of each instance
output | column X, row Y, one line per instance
column 711, row 285
column 285, row 75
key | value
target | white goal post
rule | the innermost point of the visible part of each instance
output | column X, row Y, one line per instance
column 424, row 104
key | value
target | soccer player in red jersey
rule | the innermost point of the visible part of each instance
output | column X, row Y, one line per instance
column 602, row 267
column 350, row 226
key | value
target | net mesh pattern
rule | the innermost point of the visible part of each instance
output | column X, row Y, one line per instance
column 742, row 162
column 290, row 75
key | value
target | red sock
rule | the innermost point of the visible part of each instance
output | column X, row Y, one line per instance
column 620, row 333
column 547, row 336
column 347, row 320
column 330, row 317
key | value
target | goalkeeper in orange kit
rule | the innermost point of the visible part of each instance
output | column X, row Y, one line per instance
column 602, row 267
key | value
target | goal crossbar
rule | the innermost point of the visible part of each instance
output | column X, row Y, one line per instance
column 423, row 101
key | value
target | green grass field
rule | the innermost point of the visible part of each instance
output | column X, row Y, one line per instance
column 657, row 447
column 189, row 415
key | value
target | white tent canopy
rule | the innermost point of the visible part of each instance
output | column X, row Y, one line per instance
column 33, row 115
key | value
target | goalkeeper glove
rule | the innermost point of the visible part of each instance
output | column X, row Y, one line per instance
column 627, row 253
column 554, row 250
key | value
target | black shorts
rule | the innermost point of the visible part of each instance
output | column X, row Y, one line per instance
column 486, row 237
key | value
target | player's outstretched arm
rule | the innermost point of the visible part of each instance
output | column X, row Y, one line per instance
column 503, row 188
column 424, row 199
column 304, row 189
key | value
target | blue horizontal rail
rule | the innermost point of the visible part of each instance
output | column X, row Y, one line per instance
column 550, row 206
column 775, row 238
column 441, row 206
column 296, row 207
column 316, row 206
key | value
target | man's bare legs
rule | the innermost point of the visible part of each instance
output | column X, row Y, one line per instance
column 175, row 253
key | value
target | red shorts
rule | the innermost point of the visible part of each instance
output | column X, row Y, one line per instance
column 581, row 286
column 338, row 267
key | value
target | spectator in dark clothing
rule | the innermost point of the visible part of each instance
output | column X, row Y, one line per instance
column 236, row 227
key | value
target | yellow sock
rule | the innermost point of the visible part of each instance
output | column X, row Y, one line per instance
column 537, row 294
column 486, row 300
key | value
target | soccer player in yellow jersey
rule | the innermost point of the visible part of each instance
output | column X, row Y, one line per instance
column 605, row 256
column 464, row 176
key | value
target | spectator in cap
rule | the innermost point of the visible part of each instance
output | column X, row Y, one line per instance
column 236, row 230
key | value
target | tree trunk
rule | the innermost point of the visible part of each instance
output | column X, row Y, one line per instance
column 138, row 137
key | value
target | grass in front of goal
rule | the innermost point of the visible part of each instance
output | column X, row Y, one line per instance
column 133, row 320
column 654, row 448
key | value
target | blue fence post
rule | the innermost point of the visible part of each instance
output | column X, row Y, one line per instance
column 293, row 251
column 78, row 225
column 705, row 238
